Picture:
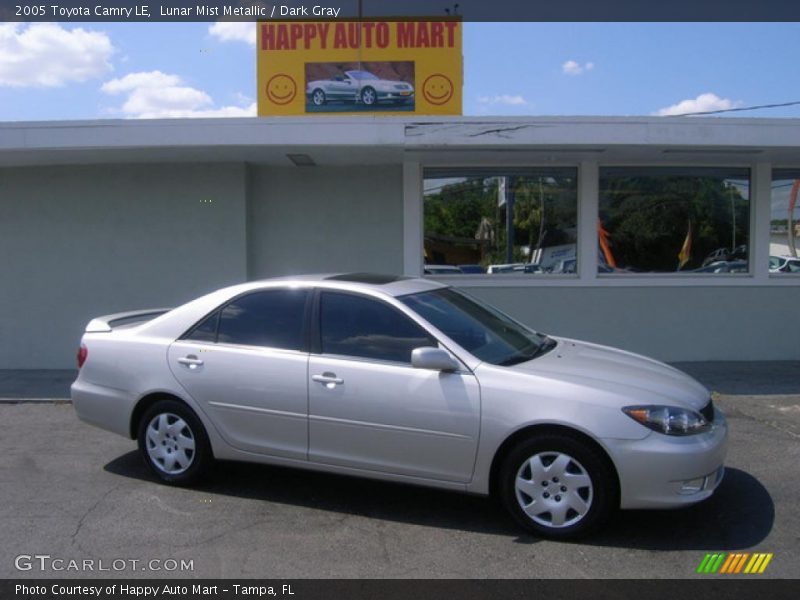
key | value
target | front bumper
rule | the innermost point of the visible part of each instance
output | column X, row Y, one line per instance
column 395, row 96
column 662, row 471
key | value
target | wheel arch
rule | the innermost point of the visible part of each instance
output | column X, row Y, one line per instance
column 548, row 428
column 148, row 400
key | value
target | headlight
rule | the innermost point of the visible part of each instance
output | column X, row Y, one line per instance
column 669, row 420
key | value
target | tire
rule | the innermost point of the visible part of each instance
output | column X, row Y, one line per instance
column 557, row 486
column 369, row 97
column 174, row 443
column 318, row 97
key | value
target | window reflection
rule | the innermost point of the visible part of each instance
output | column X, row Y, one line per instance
column 512, row 222
column 784, row 230
column 666, row 220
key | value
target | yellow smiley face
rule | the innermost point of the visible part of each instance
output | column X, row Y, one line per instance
column 281, row 89
column 437, row 89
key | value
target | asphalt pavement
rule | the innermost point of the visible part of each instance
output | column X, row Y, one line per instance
column 76, row 493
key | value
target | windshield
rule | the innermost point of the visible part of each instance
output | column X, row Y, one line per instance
column 483, row 331
column 361, row 75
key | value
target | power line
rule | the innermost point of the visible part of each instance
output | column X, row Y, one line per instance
column 725, row 110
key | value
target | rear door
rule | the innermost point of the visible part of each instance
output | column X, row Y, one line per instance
column 246, row 365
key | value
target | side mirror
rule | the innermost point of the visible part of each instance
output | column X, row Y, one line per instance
column 434, row 359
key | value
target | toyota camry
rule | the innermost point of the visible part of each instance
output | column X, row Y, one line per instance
column 405, row 380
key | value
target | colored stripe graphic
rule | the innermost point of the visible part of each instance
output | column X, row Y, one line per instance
column 740, row 564
column 765, row 563
column 734, row 563
column 718, row 562
column 726, row 566
column 703, row 563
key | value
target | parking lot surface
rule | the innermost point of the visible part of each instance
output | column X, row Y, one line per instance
column 74, row 492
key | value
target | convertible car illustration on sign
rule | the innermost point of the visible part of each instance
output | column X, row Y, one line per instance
column 359, row 87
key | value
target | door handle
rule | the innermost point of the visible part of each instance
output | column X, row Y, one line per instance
column 329, row 379
column 190, row 361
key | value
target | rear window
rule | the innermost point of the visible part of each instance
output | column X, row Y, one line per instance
column 271, row 319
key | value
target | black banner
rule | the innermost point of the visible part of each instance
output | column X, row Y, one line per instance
column 467, row 10
column 372, row 589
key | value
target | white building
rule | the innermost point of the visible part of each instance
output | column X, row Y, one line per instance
column 105, row 216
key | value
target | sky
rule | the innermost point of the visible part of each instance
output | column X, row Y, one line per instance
column 151, row 70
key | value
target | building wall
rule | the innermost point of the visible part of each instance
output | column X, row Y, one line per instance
column 667, row 323
column 81, row 241
column 325, row 219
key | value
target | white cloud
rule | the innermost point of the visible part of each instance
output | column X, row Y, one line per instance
column 703, row 103
column 48, row 55
column 231, row 31
column 506, row 99
column 157, row 95
column 572, row 67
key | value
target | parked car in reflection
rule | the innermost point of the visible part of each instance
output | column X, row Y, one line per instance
column 726, row 255
column 566, row 265
column 472, row 269
column 506, row 268
column 724, row 266
column 442, row 270
column 358, row 86
column 784, row 264
column 404, row 380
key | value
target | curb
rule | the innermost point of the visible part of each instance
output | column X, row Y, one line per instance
column 35, row 401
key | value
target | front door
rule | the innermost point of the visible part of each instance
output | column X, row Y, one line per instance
column 370, row 409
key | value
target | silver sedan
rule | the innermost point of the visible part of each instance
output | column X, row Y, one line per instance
column 404, row 380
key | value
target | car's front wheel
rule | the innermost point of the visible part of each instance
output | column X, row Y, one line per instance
column 318, row 97
column 557, row 486
column 174, row 443
column 368, row 96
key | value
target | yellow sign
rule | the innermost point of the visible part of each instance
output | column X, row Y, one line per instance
column 366, row 67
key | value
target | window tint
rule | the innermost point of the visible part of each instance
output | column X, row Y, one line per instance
column 272, row 318
column 357, row 326
column 206, row 331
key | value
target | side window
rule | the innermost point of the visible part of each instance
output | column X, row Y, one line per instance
column 357, row 326
column 273, row 318
column 206, row 331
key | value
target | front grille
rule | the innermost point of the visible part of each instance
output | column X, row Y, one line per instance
column 708, row 411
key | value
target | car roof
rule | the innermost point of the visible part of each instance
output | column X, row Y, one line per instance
column 388, row 284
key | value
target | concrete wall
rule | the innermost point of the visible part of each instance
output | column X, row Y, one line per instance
column 78, row 242
column 325, row 220
column 668, row 323
column 82, row 241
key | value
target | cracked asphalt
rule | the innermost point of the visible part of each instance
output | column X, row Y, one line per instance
column 71, row 491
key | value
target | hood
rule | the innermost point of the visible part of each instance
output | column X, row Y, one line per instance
column 634, row 378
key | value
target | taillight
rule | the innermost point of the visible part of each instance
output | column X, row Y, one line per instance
column 83, row 352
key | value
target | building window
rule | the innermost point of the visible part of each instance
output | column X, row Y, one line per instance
column 674, row 219
column 784, row 230
column 519, row 221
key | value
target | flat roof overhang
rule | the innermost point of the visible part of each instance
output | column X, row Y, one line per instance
column 371, row 140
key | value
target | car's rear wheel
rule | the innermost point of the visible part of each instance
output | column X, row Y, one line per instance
column 174, row 443
column 318, row 97
column 557, row 486
column 368, row 96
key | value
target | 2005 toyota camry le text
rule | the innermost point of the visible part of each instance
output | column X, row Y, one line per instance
column 405, row 380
